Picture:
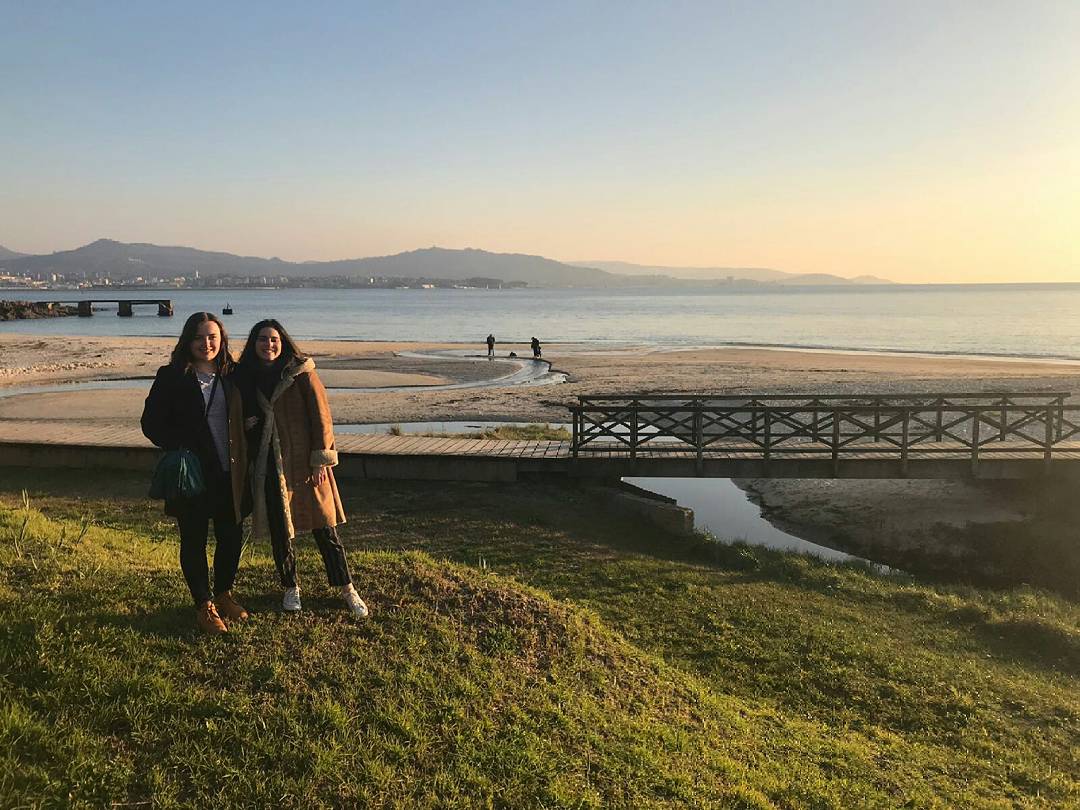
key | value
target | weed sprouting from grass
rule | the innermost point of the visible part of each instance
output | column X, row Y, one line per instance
column 84, row 527
column 23, row 535
column 248, row 547
column 536, row 432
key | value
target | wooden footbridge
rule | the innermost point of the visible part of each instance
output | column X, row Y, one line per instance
column 976, row 435
column 957, row 435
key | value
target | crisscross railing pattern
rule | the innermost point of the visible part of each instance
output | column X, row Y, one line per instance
column 964, row 424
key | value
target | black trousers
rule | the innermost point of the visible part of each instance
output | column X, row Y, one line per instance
column 194, row 524
column 333, row 553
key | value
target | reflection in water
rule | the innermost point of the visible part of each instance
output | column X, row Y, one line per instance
column 726, row 512
column 82, row 385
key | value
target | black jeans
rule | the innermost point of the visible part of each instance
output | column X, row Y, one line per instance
column 333, row 553
column 194, row 532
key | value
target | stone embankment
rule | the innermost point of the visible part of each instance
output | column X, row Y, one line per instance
column 19, row 310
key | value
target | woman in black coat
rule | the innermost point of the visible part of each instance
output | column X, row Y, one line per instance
column 193, row 405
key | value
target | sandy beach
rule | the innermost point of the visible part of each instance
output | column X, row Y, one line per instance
column 868, row 512
column 33, row 360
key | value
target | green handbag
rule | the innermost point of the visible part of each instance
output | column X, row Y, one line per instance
column 177, row 475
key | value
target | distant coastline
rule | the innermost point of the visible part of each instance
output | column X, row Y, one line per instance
column 1035, row 321
column 120, row 261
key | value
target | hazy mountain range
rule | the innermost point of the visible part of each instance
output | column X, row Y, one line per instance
column 749, row 273
column 121, row 260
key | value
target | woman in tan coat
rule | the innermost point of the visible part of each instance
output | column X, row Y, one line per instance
column 290, row 434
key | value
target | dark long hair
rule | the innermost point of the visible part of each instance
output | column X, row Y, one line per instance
column 289, row 349
column 181, row 354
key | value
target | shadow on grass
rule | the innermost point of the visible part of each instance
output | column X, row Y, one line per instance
column 552, row 537
column 549, row 535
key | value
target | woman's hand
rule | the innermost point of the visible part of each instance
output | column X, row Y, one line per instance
column 318, row 476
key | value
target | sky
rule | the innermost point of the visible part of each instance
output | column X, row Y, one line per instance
column 917, row 141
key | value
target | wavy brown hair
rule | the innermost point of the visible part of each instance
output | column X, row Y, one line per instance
column 289, row 349
column 181, row 354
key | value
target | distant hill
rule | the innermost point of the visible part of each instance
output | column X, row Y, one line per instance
column 763, row 274
column 808, row 279
column 121, row 260
column 124, row 260
column 9, row 254
column 694, row 273
column 435, row 262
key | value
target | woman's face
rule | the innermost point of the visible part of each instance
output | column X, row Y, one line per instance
column 268, row 344
column 207, row 342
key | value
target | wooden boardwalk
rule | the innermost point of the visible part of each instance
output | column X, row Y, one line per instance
column 53, row 443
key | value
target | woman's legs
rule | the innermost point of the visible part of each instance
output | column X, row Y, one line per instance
column 280, row 542
column 230, row 542
column 194, row 528
column 333, row 555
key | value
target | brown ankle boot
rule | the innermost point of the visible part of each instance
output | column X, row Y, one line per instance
column 208, row 619
column 229, row 608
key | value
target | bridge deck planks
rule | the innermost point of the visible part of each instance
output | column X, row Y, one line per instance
column 72, row 433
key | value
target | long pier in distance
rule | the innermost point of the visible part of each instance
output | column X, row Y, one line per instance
column 124, row 306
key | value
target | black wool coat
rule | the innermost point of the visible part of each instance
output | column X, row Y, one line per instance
column 174, row 418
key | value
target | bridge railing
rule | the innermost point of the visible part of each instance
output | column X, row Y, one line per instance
column 948, row 424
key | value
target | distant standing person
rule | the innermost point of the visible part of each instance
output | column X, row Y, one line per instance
column 491, row 347
column 536, row 348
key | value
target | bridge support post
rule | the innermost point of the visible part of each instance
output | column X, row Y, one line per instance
column 86, row 309
column 123, row 309
column 699, row 440
column 976, row 419
column 576, row 435
column 768, row 438
column 164, row 309
column 1048, row 448
column 836, row 443
column 904, row 444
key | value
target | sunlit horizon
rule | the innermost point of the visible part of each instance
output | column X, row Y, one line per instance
column 919, row 143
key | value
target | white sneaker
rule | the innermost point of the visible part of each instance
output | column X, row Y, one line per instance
column 353, row 600
column 291, row 601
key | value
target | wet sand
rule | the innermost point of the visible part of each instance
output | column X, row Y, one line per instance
column 34, row 360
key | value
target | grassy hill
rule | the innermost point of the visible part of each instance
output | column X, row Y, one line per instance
column 524, row 651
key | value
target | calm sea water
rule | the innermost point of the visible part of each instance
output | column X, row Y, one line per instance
column 1037, row 320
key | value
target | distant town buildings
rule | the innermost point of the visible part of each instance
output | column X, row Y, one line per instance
column 90, row 280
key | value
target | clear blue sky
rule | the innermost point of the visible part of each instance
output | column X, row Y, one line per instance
column 923, row 141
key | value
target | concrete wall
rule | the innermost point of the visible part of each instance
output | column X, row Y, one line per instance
column 661, row 512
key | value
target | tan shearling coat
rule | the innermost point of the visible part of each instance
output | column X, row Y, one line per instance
column 299, row 432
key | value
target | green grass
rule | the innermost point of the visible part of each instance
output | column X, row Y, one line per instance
column 524, row 651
